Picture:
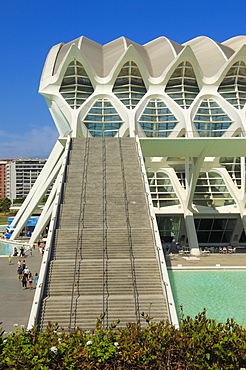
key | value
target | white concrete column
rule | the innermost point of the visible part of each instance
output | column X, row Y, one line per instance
column 192, row 235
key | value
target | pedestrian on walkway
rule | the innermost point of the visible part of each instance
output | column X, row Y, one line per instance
column 19, row 272
column 30, row 280
column 26, row 271
column 19, row 263
column 9, row 259
column 23, row 281
column 22, row 251
column 36, row 279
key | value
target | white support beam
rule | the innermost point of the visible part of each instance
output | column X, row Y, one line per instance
column 46, row 213
column 45, row 178
column 52, row 160
column 192, row 235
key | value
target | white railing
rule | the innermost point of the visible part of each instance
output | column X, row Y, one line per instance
column 166, row 286
column 36, row 305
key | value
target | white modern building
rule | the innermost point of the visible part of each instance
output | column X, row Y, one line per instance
column 185, row 103
column 21, row 175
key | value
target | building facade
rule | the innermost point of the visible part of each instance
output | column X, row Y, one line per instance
column 2, row 179
column 186, row 104
column 21, row 174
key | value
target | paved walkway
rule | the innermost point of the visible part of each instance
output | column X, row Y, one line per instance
column 212, row 259
column 15, row 304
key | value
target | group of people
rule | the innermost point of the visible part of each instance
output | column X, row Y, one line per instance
column 25, row 275
column 228, row 249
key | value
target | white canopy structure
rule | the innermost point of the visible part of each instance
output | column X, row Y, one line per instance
column 186, row 103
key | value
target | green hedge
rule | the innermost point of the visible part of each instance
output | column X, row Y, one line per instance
column 199, row 343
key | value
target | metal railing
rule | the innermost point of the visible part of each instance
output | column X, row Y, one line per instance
column 35, row 315
column 105, row 239
column 132, row 259
column 78, row 253
column 166, row 286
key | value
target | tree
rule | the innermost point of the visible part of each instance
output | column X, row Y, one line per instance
column 5, row 204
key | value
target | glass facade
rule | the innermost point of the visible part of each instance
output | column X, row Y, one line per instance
column 76, row 86
column 157, row 120
column 102, row 119
column 211, row 191
column 169, row 227
column 182, row 86
column 129, row 86
column 161, row 189
column 211, row 120
column 214, row 230
column 233, row 167
column 233, row 87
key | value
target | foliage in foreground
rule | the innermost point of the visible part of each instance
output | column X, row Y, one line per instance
column 200, row 343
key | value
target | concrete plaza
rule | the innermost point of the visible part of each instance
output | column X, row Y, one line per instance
column 16, row 303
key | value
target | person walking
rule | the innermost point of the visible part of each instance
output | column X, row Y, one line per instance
column 22, row 251
column 26, row 271
column 30, row 280
column 23, row 281
column 36, row 279
column 19, row 272
column 10, row 259
column 19, row 263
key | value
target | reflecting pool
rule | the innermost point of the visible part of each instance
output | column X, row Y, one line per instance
column 221, row 292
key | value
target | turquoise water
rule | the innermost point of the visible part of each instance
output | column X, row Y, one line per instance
column 6, row 249
column 2, row 228
column 221, row 292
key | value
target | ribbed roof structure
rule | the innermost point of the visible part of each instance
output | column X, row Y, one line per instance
column 156, row 54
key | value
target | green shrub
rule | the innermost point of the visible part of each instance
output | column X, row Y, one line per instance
column 199, row 343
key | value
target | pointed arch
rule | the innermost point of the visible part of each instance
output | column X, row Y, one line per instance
column 76, row 86
column 211, row 191
column 210, row 120
column 103, row 120
column 161, row 188
column 233, row 167
column 182, row 86
column 157, row 120
column 129, row 86
column 233, row 86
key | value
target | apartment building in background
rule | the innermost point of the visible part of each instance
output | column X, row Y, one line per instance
column 2, row 179
column 20, row 175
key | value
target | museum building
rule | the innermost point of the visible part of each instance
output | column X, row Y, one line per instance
column 185, row 103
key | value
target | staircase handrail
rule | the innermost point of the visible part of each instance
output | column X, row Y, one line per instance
column 105, row 239
column 79, row 238
column 166, row 286
column 132, row 258
column 39, row 291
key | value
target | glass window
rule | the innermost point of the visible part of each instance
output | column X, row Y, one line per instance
column 103, row 120
column 234, row 85
column 214, row 230
column 157, row 120
column 233, row 167
column 131, row 88
column 210, row 120
column 211, row 191
column 163, row 192
column 182, row 86
column 76, row 86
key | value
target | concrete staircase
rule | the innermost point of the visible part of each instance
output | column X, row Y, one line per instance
column 103, row 258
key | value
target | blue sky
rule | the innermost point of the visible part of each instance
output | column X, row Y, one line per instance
column 29, row 29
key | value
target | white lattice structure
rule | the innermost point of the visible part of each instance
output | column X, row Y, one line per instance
column 186, row 103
